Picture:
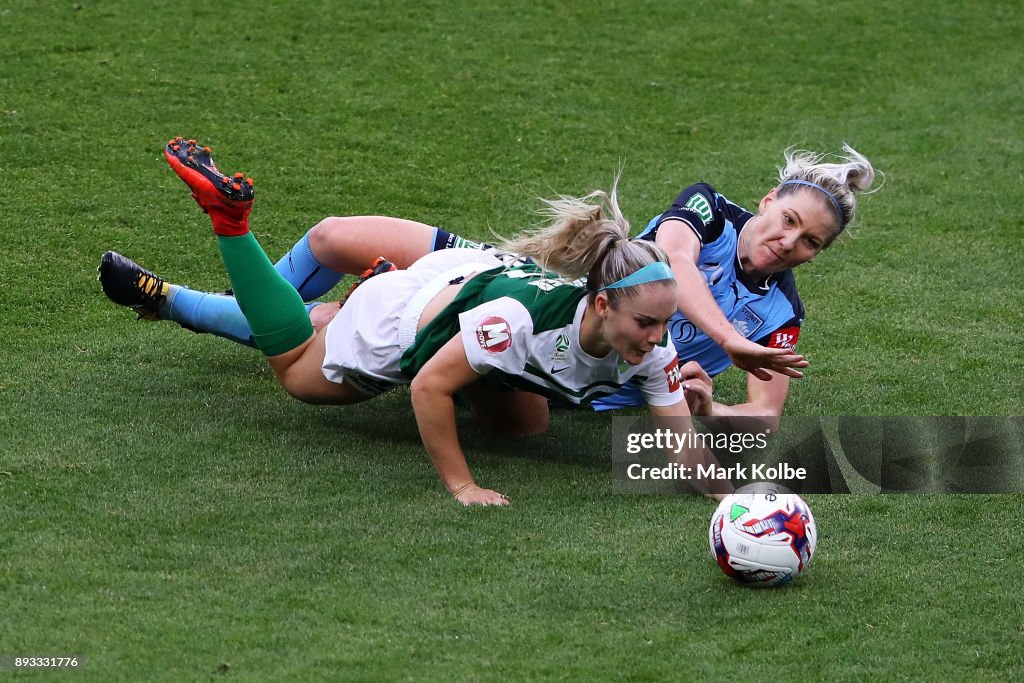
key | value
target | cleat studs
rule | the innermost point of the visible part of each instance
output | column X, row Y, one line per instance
column 223, row 180
column 249, row 181
column 237, row 187
column 238, row 176
column 207, row 150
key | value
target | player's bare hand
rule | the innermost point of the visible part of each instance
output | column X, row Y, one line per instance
column 758, row 360
column 697, row 387
column 471, row 494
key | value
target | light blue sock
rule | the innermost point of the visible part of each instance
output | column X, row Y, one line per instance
column 206, row 312
column 308, row 276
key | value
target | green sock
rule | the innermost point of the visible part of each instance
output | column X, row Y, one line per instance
column 273, row 308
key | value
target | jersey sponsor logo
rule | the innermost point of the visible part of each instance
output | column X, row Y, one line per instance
column 747, row 322
column 702, row 206
column 673, row 376
column 494, row 335
column 785, row 338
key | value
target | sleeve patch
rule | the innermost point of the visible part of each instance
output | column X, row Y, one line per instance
column 700, row 204
column 785, row 338
column 494, row 334
column 672, row 375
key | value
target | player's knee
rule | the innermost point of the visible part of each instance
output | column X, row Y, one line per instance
column 294, row 388
column 524, row 424
column 324, row 233
column 292, row 381
column 535, row 427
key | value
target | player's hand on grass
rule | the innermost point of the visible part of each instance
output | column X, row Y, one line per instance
column 471, row 494
column 758, row 360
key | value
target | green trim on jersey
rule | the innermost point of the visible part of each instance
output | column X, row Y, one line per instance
column 528, row 284
column 591, row 392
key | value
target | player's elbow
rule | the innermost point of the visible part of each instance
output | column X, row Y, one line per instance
column 767, row 418
column 771, row 422
column 754, row 418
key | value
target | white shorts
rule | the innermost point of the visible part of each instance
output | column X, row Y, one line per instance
column 365, row 340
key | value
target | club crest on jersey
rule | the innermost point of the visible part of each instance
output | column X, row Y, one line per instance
column 747, row 322
column 702, row 206
column 494, row 335
column 673, row 376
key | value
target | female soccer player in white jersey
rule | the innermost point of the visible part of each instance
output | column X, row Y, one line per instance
column 461, row 318
column 738, row 303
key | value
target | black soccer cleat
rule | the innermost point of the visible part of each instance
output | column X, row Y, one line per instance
column 126, row 283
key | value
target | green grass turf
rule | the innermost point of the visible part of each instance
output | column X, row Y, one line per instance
column 168, row 514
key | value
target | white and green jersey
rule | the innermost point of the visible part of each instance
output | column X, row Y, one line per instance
column 521, row 330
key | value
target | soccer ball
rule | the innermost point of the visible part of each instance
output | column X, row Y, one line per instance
column 763, row 539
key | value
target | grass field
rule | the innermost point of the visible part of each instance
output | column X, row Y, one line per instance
column 167, row 513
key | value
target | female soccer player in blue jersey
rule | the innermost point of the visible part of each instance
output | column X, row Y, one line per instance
column 462, row 319
column 734, row 269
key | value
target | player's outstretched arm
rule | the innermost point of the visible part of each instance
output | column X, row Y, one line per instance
column 699, row 306
column 433, row 390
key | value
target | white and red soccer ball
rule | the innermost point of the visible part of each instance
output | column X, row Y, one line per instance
column 763, row 539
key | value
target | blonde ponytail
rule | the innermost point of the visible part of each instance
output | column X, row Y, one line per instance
column 578, row 231
column 587, row 236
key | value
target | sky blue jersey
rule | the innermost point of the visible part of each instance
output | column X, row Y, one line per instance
column 769, row 311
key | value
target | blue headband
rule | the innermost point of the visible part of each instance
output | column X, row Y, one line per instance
column 816, row 186
column 652, row 272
